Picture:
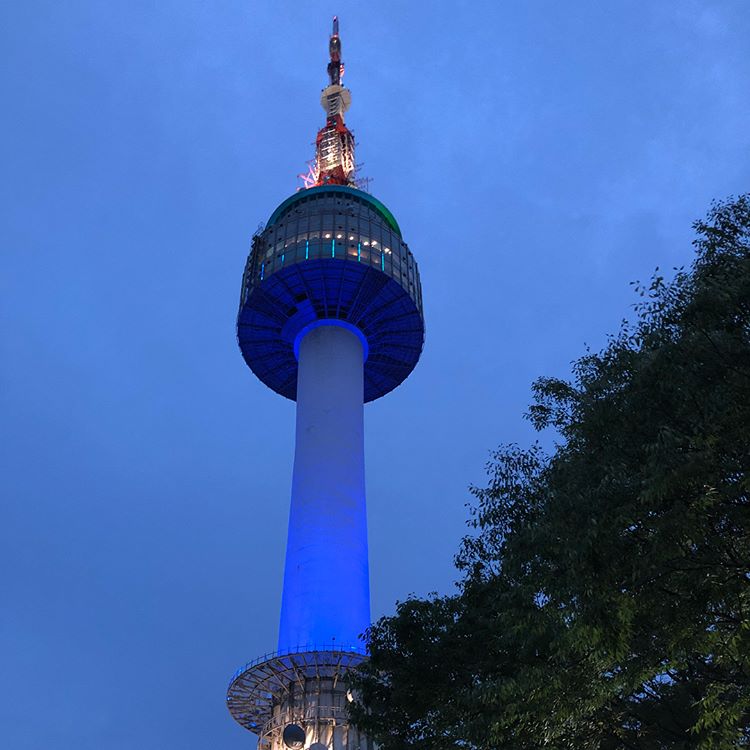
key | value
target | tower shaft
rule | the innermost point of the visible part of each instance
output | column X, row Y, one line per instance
column 326, row 599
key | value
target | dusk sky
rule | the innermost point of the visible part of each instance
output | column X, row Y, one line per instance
column 539, row 156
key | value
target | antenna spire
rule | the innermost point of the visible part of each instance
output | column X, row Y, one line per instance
column 334, row 49
column 334, row 145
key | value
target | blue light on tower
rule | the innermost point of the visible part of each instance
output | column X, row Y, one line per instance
column 331, row 317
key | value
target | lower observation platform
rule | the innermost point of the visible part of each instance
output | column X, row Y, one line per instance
column 268, row 693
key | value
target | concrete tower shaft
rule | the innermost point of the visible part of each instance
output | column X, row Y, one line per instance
column 326, row 596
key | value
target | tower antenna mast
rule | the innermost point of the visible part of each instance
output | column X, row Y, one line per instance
column 334, row 144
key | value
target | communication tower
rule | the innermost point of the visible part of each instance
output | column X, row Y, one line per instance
column 331, row 317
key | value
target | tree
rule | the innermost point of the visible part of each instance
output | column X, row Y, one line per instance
column 605, row 592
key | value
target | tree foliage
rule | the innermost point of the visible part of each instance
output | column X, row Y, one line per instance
column 605, row 593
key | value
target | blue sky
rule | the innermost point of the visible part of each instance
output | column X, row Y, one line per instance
column 539, row 156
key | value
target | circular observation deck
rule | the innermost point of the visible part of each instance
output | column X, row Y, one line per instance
column 259, row 693
column 331, row 253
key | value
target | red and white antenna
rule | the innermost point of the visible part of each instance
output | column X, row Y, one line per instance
column 334, row 144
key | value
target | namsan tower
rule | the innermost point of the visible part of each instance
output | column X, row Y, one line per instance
column 331, row 317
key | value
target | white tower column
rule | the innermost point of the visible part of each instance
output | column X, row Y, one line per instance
column 326, row 597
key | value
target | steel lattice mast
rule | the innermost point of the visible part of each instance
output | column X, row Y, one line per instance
column 331, row 317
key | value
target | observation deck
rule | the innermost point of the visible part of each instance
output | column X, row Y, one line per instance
column 259, row 693
column 331, row 252
column 306, row 687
